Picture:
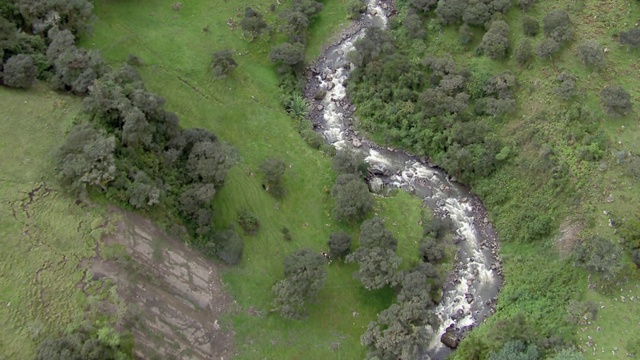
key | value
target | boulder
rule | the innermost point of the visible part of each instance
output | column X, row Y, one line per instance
column 376, row 185
column 357, row 144
column 449, row 339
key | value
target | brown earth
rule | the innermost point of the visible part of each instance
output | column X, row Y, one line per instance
column 174, row 297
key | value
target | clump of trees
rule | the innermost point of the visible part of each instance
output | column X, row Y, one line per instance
column 591, row 54
column 272, row 170
column 472, row 12
column 304, row 276
column 376, row 255
column 599, row 255
column 616, row 101
column 223, row 63
column 495, row 42
column 353, row 201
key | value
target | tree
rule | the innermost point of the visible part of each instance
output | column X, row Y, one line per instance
column 516, row 350
column 375, row 44
column 631, row 38
column 195, row 206
column 76, row 69
column 431, row 251
column 615, row 100
column 450, row 11
column 353, row 201
column 252, row 23
column 477, row 13
column 287, row 53
column 599, row 255
column 7, row 35
column 591, row 54
column 86, row 159
column 248, row 221
column 524, row 52
column 295, row 23
column 229, row 246
column 273, row 169
column 64, row 348
column 76, row 16
column 376, row 256
column 495, row 41
column 547, row 48
column 304, row 276
column 143, row 191
column 424, row 5
column 20, row 71
column 414, row 26
column 310, row 8
column 350, row 162
column 209, row 162
column 355, row 8
column 223, row 63
column 400, row 332
column 566, row 88
column 136, row 130
column 557, row 26
column 339, row 245
column 530, row 26
column 526, row 4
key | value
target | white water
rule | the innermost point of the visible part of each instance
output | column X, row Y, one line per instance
column 473, row 276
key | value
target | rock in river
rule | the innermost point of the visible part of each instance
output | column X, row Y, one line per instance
column 449, row 339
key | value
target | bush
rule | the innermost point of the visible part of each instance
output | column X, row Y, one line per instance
column 591, row 54
column 557, row 26
column 547, row 48
column 339, row 245
column 248, row 221
column 524, row 52
column 495, row 41
column 615, row 100
column 530, row 26
column 631, row 38
column 223, row 63
column 355, row 8
column 229, row 246
column 20, row 71
column 599, row 255
column 353, row 201
column 414, row 26
column 566, row 88
column 635, row 256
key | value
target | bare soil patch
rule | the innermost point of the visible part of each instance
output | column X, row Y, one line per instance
column 173, row 293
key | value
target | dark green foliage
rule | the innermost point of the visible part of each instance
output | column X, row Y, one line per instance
column 515, row 328
column 61, row 41
column 616, row 101
column 424, row 5
column 339, row 245
column 87, row 159
column 223, row 63
column 229, row 246
column 635, row 257
column 273, row 169
column 136, row 130
column 557, row 26
column 524, row 52
column 65, row 348
column 450, row 11
column 566, row 88
column 286, row 233
column 526, row 4
column 516, row 350
column 376, row 256
column 568, row 354
column 76, row 69
column 41, row 15
column 305, row 274
column 412, row 23
column 287, row 53
column 195, row 206
column 582, row 312
column 477, row 13
column 84, row 344
column 143, row 192
column 353, row 201
column 630, row 38
column 530, row 26
column 431, row 251
column 375, row 44
column 599, row 255
column 209, row 162
column 350, row 162
column 248, row 221
column 466, row 35
column 547, row 48
column 8, row 38
column 295, row 24
column 252, row 24
column 591, row 54
column 498, row 92
column 398, row 333
column 19, row 71
column 309, row 8
column 355, row 8
column 495, row 42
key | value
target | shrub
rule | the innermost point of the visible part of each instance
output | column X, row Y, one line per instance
column 599, row 255
column 414, row 26
column 20, row 71
column 339, row 245
column 631, row 38
column 495, row 41
column 530, row 26
column 566, row 88
column 229, row 246
column 353, row 201
column 557, row 25
column 223, row 63
column 615, row 100
column 248, row 221
column 591, row 54
column 547, row 48
column 524, row 52
column 355, row 8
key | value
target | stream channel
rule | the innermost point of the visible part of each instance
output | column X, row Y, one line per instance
column 471, row 289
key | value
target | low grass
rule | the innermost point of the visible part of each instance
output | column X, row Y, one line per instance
column 244, row 110
column 43, row 235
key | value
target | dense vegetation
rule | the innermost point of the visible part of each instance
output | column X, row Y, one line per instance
column 467, row 95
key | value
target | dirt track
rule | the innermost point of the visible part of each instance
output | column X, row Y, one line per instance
column 177, row 297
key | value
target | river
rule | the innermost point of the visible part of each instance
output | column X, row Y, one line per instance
column 471, row 290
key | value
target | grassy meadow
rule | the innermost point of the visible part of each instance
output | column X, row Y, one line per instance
column 244, row 110
column 44, row 235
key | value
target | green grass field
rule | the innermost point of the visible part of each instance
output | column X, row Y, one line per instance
column 244, row 111
column 43, row 235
